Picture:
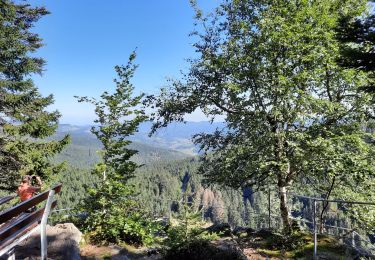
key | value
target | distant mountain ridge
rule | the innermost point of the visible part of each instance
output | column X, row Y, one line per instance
column 168, row 144
column 177, row 136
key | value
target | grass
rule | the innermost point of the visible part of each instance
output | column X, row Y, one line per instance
column 298, row 246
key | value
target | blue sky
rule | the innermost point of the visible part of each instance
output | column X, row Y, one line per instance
column 85, row 39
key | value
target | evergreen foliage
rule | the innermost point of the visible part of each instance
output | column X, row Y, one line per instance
column 357, row 36
column 113, row 214
column 187, row 227
column 24, row 121
column 292, row 112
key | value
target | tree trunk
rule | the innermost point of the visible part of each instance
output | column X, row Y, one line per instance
column 284, row 209
column 325, row 205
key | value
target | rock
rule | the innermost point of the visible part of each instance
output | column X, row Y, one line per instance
column 63, row 243
column 264, row 233
column 222, row 229
column 230, row 246
column 242, row 231
column 216, row 250
column 152, row 251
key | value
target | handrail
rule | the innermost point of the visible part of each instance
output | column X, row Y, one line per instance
column 18, row 225
column 22, row 207
column 332, row 200
column 5, row 199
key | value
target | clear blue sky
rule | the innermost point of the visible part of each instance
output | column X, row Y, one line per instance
column 85, row 39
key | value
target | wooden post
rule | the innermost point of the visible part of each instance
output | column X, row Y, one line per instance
column 43, row 225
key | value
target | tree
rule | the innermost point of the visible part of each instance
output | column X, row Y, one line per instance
column 270, row 68
column 24, row 121
column 357, row 36
column 113, row 213
column 187, row 228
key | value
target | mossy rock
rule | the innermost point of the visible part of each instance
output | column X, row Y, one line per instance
column 198, row 250
column 301, row 246
column 243, row 231
column 223, row 229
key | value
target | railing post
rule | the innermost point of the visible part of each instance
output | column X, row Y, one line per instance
column 315, row 233
column 353, row 238
column 269, row 208
column 170, row 211
column 43, row 225
column 11, row 255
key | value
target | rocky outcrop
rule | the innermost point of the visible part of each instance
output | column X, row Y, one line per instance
column 63, row 243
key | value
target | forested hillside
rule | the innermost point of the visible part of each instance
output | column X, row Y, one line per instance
column 161, row 180
column 161, row 185
column 83, row 151
column 164, row 177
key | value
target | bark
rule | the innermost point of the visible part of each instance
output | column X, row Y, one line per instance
column 284, row 209
column 325, row 205
column 283, row 175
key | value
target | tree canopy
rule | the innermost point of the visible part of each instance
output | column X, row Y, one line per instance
column 357, row 36
column 24, row 120
column 292, row 113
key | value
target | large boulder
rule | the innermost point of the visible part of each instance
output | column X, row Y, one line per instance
column 63, row 243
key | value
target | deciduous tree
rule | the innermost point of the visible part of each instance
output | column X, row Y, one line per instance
column 270, row 68
column 113, row 213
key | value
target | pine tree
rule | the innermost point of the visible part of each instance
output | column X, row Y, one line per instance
column 24, row 121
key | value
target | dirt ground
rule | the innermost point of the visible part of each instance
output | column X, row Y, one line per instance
column 92, row 252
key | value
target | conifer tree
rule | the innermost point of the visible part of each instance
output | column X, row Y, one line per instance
column 188, row 226
column 357, row 35
column 24, row 121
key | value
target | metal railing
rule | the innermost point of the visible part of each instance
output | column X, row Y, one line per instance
column 265, row 220
column 351, row 237
column 352, row 231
